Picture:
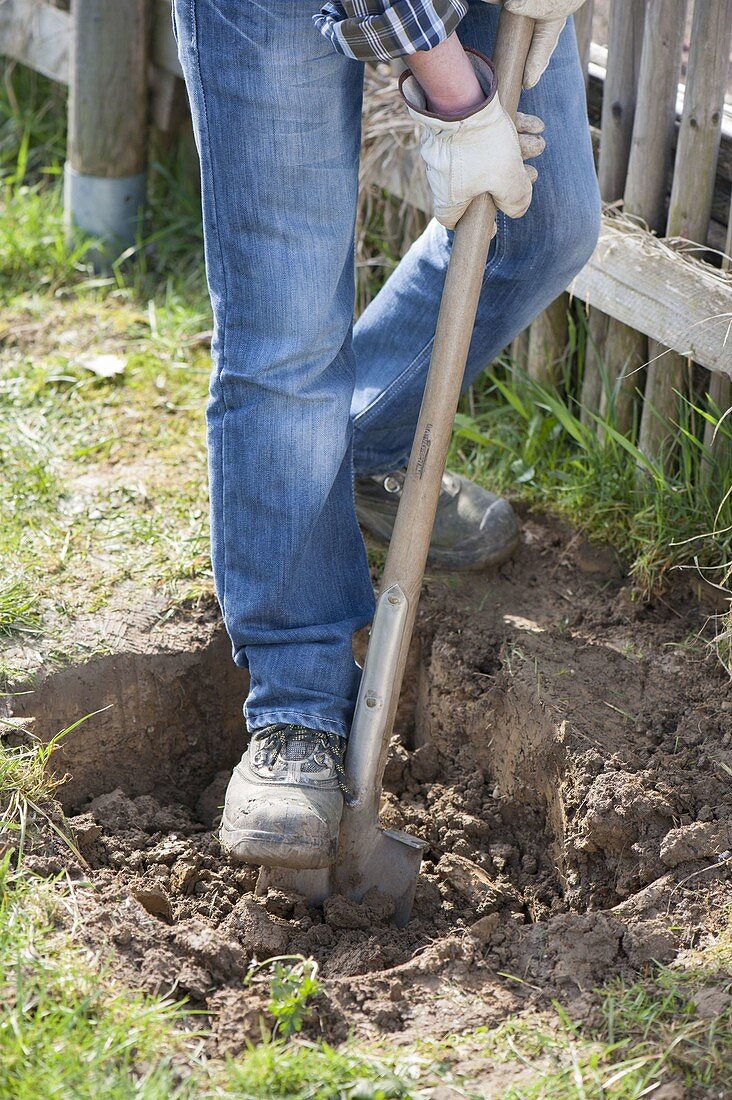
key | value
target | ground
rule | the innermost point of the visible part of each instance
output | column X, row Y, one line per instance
column 562, row 749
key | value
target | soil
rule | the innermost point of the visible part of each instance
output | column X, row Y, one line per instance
column 562, row 747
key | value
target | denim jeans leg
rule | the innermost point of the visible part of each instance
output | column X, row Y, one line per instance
column 531, row 261
column 276, row 116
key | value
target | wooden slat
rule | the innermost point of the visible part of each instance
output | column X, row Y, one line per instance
column 626, row 349
column 38, row 35
column 655, row 114
column 107, row 133
column 583, row 30
column 691, row 202
column 598, row 68
column 720, row 389
column 683, row 305
column 625, row 35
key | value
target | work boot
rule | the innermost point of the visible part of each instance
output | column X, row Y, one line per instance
column 473, row 528
column 284, row 801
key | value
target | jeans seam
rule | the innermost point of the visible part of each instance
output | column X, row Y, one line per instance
column 223, row 326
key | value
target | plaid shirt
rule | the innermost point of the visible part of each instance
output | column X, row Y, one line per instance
column 381, row 29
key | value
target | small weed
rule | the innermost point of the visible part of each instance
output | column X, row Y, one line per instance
column 294, row 983
column 27, row 785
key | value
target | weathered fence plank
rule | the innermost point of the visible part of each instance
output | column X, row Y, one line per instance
column 650, row 151
column 583, row 30
column 701, row 121
column 38, row 35
column 549, row 332
column 646, row 185
column 685, row 306
column 625, row 34
column 720, row 387
column 691, row 198
column 548, row 338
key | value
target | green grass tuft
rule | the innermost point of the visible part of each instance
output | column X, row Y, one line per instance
column 530, row 440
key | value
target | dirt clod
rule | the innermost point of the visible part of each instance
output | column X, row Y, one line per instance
column 700, row 840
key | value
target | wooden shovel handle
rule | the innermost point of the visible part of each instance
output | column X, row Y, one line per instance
column 410, row 541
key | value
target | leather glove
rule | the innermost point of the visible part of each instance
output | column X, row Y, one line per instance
column 482, row 151
column 550, row 16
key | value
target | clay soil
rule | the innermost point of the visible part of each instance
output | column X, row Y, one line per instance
column 563, row 750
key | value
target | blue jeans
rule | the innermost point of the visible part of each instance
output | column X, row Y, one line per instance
column 298, row 398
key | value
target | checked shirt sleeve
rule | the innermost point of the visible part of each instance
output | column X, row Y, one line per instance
column 369, row 30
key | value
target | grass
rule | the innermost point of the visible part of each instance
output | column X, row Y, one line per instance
column 102, row 478
column 18, row 606
column 531, row 440
column 62, row 1031
column 69, row 1029
column 662, row 1029
column 645, row 1034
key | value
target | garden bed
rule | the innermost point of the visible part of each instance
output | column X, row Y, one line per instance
column 562, row 751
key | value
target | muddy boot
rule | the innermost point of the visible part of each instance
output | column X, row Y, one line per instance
column 473, row 528
column 284, row 801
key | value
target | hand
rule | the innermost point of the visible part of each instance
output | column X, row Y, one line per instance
column 550, row 16
column 478, row 151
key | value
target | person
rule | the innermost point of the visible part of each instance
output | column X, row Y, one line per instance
column 302, row 402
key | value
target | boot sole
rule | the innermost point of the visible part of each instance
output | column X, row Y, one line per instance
column 271, row 850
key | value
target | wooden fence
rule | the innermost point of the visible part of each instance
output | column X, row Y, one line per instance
column 664, row 160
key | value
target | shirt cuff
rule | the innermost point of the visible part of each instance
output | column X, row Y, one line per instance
column 378, row 30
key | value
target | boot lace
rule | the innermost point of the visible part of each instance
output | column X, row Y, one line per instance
column 320, row 747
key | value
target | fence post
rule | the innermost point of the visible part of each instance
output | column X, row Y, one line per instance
column 519, row 349
column 645, row 188
column 583, row 31
column 549, row 332
column 548, row 338
column 105, row 173
column 691, row 196
column 625, row 41
column 720, row 386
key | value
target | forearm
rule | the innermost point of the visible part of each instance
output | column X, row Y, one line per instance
column 447, row 78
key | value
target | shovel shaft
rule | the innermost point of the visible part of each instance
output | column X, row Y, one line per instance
column 407, row 556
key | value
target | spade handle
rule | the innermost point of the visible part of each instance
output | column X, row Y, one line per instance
column 407, row 556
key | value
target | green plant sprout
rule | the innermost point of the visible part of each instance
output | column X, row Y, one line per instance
column 292, row 989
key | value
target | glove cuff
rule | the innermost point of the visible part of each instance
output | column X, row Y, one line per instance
column 416, row 101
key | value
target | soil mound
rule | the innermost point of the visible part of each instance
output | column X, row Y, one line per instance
column 562, row 752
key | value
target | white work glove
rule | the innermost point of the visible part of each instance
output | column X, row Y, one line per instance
column 550, row 16
column 481, row 152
